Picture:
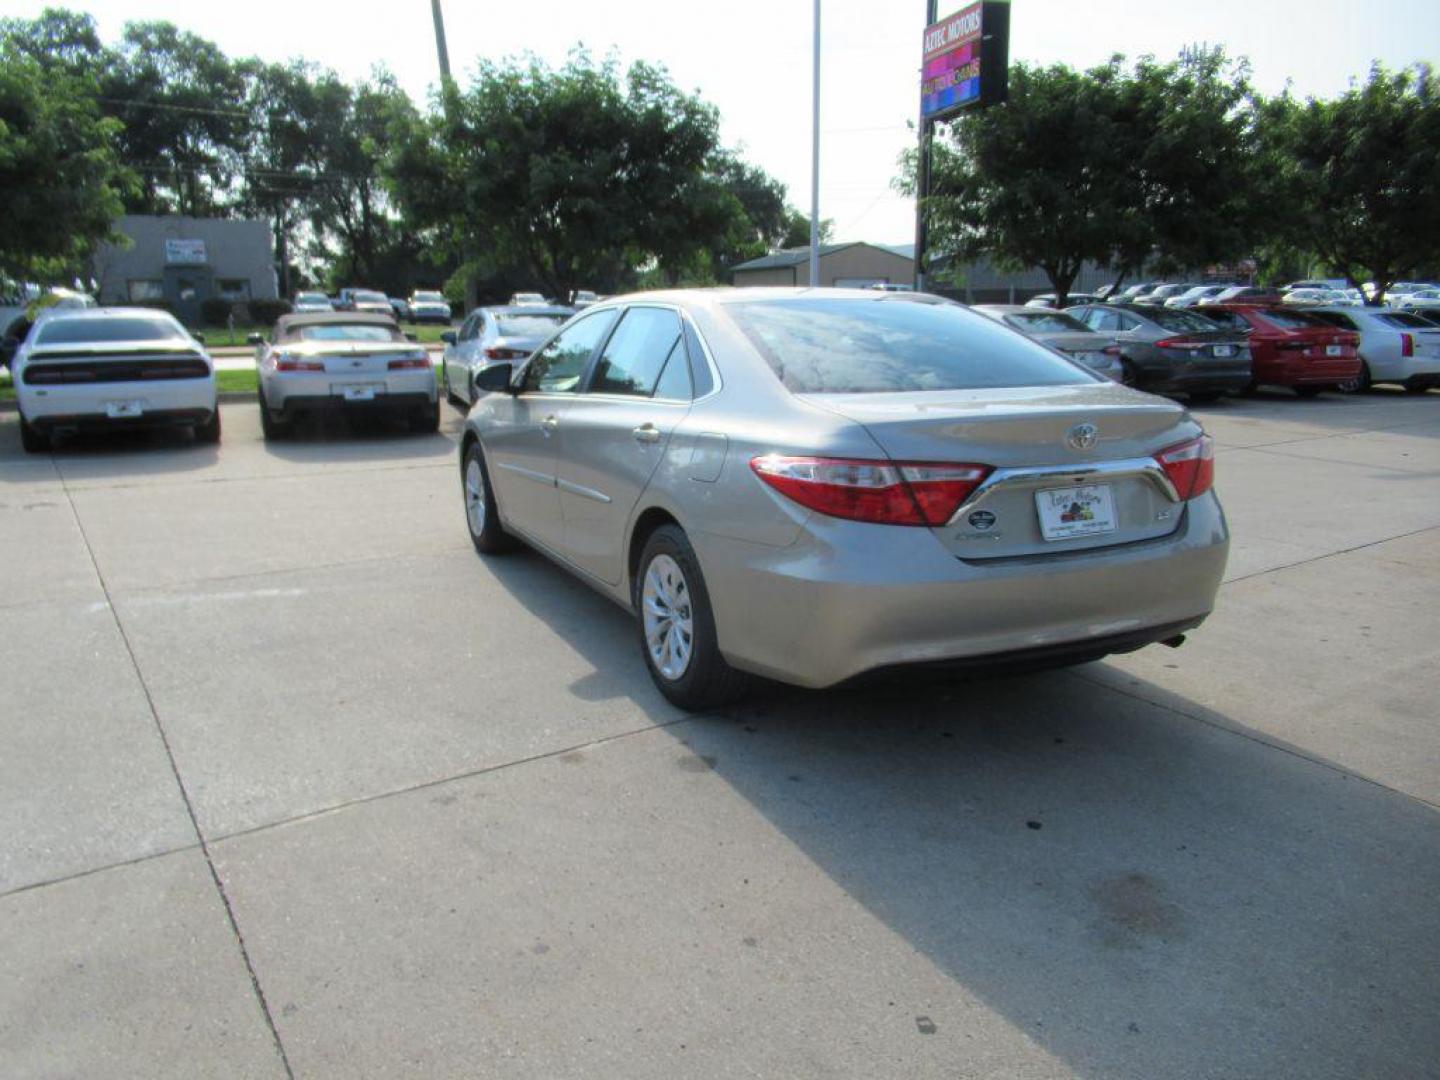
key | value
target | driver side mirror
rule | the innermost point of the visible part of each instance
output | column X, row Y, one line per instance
column 448, row 337
column 494, row 378
column 198, row 337
column 255, row 339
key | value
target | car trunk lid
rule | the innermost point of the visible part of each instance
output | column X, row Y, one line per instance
column 1073, row 466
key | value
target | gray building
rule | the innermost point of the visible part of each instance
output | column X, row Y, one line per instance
column 183, row 261
column 843, row 265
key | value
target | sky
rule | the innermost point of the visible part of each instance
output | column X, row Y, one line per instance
column 752, row 59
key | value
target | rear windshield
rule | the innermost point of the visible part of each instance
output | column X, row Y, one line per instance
column 1179, row 319
column 344, row 332
column 1046, row 322
column 1335, row 318
column 78, row 331
column 850, row 346
column 1292, row 320
column 429, row 298
column 312, row 298
column 529, row 325
column 1405, row 319
column 370, row 297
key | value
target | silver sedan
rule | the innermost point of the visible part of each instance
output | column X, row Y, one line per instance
column 489, row 334
column 811, row 485
column 1062, row 333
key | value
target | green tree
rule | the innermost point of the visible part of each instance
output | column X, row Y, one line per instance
column 58, row 40
column 797, row 229
column 1113, row 165
column 1357, row 179
column 180, row 101
column 571, row 177
column 62, row 180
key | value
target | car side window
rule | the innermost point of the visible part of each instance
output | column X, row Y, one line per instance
column 674, row 384
column 701, row 379
column 638, row 352
column 467, row 332
column 1099, row 319
column 556, row 369
column 1125, row 322
column 1227, row 319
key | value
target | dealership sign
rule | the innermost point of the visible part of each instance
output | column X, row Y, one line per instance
column 185, row 252
column 966, row 60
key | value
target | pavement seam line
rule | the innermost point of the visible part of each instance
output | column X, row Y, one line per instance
column 357, row 469
column 184, row 794
column 122, row 864
column 468, row 774
column 1332, row 435
column 1255, row 738
column 1331, row 555
column 1418, row 470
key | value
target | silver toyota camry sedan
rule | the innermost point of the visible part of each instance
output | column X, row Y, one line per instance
column 814, row 484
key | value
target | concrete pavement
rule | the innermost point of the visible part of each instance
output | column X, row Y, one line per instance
column 296, row 784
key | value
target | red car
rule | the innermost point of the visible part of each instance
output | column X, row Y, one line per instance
column 1291, row 348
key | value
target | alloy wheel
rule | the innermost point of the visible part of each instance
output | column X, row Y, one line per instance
column 669, row 621
column 475, row 496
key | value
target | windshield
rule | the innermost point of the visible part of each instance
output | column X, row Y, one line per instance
column 78, row 331
column 1405, row 319
column 528, row 325
column 344, row 332
column 362, row 296
column 429, row 298
column 1047, row 322
column 1179, row 319
column 1292, row 320
column 875, row 346
column 312, row 298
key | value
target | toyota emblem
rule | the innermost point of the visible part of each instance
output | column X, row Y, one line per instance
column 1082, row 436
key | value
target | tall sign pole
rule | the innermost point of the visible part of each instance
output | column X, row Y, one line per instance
column 965, row 65
column 815, row 162
column 440, row 46
column 922, row 172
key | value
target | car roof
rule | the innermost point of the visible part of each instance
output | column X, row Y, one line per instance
column 528, row 309
column 1016, row 309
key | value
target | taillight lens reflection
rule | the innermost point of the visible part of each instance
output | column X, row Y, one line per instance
column 1190, row 466
column 880, row 492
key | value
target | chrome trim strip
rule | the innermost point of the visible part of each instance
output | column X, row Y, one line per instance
column 580, row 489
column 529, row 474
column 1143, row 468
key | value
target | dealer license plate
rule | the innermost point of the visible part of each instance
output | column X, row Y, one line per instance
column 121, row 410
column 1067, row 513
column 1224, row 350
column 1334, row 350
column 359, row 392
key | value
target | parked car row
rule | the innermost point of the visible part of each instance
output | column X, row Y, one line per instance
column 421, row 306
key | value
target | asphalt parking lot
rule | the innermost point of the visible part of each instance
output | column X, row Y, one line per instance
column 294, row 783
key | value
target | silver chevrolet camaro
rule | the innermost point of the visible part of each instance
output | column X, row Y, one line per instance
column 814, row 484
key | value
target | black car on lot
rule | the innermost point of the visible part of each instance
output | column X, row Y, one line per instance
column 1172, row 350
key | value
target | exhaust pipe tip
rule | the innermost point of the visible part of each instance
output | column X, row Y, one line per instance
column 1174, row 642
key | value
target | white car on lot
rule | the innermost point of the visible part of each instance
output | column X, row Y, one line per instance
column 103, row 368
column 342, row 362
column 429, row 307
column 313, row 301
column 1395, row 346
column 1420, row 298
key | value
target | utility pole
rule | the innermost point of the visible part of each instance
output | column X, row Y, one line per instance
column 922, row 172
column 440, row 47
column 815, row 163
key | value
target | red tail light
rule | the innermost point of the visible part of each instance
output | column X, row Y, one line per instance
column 1407, row 344
column 1111, row 350
column 410, row 361
column 1190, row 466
column 495, row 353
column 881, row 492
column 1180, row 343
column 298, row 363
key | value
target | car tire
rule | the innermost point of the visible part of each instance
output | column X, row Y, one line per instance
column 426, row 419
column 1129, row 375
column 1309, row 391
column 1417, row 386
column 482, row 514
column 672, row 608
column 209, row 432
column 1359, row 384
column 32, row 438
column 270, row 428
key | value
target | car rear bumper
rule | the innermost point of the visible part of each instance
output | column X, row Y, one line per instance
column 313, row 404
column 1326, row 372
column 1165, row 377
column 89, row 405
column 848, row 598
column 290, row 393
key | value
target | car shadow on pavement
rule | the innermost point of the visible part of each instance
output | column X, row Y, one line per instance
column 1140, row 885
column 172, row 449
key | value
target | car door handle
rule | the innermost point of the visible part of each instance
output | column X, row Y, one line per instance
column 646, row 433
column 549, row 424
